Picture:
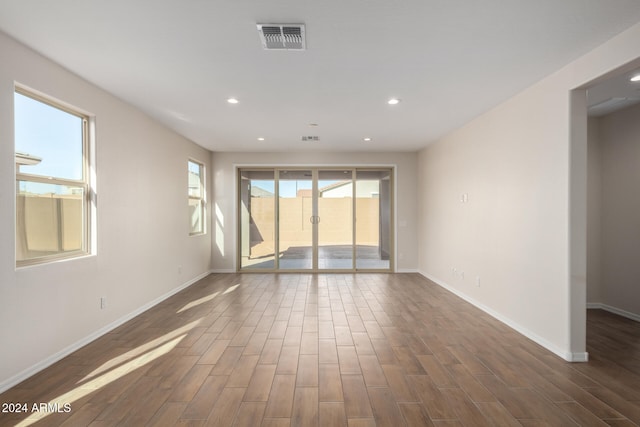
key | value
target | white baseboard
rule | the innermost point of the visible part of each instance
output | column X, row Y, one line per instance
column 614, row 310
column 578, row 357
column 230, row 270
column 568, row 356
column 43, row 364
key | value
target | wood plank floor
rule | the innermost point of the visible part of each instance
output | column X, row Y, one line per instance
column 332, row 350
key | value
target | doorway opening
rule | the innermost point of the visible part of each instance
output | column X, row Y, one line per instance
column 613, row 176
column 601, row 123
column 315, row 219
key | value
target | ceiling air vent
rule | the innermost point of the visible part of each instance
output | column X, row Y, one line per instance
column 310, row 138
column 282, row 36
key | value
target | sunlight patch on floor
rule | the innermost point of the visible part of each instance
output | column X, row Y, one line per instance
column 198, row 302
column 140, row 350
column 89, row 387
column 231, row 289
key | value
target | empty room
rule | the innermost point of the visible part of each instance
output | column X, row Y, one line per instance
column 293, row 213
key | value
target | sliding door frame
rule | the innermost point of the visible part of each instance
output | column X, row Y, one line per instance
column 315, row 169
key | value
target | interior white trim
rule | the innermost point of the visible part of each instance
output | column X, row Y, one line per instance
column 614, row 310
column 566, row 355
column 45, row 363
column 578, row 357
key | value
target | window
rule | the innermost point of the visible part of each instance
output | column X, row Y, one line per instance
column 197, row 193
column 52, row 184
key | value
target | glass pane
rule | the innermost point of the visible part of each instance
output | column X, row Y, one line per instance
column 50, row 219
column 195, row 180
column 48, row 140
column 373, row 219
column 257, row 219
column 335, row 222
column 196, row 217
column 295, row 231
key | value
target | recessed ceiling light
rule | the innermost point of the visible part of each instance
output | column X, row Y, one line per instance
column 367, row 139
column 635, row 78
column 393, row 101
column 261, row 139
column 232, row 101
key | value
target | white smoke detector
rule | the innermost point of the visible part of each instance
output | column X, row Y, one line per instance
column 282, row 36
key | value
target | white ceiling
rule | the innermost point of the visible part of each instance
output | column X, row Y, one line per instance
column 447, row 60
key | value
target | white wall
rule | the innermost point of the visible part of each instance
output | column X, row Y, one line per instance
column 223, row 166
column 523, row 229
column 619, row 138
column 142, row 225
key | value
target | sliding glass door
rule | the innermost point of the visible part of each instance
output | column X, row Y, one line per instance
column 335, row 219
column 315, row 219
column 295, row 219
column 373, row 219
column 256, row 217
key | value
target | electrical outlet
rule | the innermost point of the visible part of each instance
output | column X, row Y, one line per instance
column 179, row 269
column 103, row 303
column 478, row 281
